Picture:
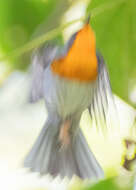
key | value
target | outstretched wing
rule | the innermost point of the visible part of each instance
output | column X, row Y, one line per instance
column 41, row 58
column 102, row 109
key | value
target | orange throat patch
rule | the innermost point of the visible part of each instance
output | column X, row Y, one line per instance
column 80, row 63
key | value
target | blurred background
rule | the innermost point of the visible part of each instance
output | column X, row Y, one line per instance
column 24, row 25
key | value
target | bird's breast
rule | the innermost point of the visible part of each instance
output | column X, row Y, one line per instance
column 67, row 97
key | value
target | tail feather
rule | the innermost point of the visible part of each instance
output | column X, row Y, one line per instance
column 64, row 163
column 88, row 166
column 40, row 152
column 47, row 156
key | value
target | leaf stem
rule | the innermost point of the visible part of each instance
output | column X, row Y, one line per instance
column 39, row 40
column 53, row 33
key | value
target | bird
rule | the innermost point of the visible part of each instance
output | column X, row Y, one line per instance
column 70, row 79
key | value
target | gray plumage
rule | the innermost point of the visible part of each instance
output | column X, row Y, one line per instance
column 41, row 58
column 66, row 100
column 103, row 99
column 47, row 156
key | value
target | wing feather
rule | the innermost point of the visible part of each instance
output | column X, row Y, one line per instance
column 41, row 58
column 102, row 109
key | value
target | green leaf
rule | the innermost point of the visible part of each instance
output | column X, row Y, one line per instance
column 115, row 26
column 111, row 184
column 20, row 21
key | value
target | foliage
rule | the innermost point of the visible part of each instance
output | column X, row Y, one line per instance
column 115, row 26
column 109, row 184
column 115, row 183
column 20, row 22
column 113, row 22
column 39, row 20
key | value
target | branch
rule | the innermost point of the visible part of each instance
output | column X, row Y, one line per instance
column 53, row 33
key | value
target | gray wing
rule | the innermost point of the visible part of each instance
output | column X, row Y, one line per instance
column 102, row 109
column 41, row 58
